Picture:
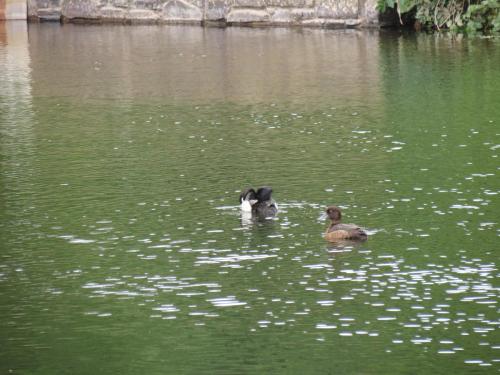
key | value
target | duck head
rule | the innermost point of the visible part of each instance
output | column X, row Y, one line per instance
column 334, row 214
column 264, row 194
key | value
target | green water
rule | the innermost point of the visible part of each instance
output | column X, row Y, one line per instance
column 122, row 154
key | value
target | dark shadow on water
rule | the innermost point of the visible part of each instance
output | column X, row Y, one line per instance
column 264, row 231
column 248, row 220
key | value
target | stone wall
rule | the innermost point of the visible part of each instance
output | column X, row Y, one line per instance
column 314, row 13
column 12, row 9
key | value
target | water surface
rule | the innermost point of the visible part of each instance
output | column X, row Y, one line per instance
column 122, row 154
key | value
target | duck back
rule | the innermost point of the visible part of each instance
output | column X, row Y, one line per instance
column 345, row 232
column 265, row 209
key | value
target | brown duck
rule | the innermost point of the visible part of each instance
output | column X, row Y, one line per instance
column 338, row 231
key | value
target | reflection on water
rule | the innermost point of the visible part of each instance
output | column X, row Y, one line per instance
column 121, row 234
column 16, row 117
column 198, row 65
column 16, row 74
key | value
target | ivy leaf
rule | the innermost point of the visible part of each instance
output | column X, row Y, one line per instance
column 407, row 5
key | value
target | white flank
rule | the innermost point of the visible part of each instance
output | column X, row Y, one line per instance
column 246, row 206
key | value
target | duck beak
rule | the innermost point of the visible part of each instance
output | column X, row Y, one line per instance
column 252, row 201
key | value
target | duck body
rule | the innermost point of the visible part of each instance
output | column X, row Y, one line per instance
column 265, row 209
column 259, row 202
column 340, row 231
column 345, row 232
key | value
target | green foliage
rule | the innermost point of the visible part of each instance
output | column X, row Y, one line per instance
column 457, row 15
column 403, row 5
column 484, row 16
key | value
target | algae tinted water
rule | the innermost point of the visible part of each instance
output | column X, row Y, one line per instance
column 122, row 153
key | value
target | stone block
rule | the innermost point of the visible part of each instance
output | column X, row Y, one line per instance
column 49, row 14
column 291, row 15
column 179, row 10
column 119, row 3
column 249, row 3
column 290, row 3
column 280, row 15
column 86, row 9
column 197, row 3
column 45, row 4
column 299, row 14
column 331, row 23
column 33, row 8
column 248, row 15
column 13, row 10
column 216, row 10
column 368, row 11
column 353, row 22
column 337, row 9
column 147, row 4
column 142, row 16
column 113, row 14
